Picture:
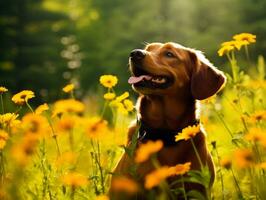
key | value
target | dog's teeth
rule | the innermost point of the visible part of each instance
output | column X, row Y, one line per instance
column 158, row 80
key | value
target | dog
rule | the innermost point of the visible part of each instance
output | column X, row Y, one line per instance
column 170, row 78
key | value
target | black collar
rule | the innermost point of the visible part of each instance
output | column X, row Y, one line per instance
column 146, row 133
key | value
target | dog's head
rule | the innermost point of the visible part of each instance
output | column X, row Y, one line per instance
column 170, row 68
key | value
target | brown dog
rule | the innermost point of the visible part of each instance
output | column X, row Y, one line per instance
column 170, row 78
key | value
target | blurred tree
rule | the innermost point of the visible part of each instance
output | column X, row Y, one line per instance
column 103, row 32
column 30, row 47
column 123, row 25
column 253, row 17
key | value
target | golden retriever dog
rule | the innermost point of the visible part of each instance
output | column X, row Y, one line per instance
column 169, row 78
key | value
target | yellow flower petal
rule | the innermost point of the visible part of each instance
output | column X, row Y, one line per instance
column 3, row 89
column 3, row 138
column 108, row 81
column 188, row 132
column 68, row 88
column 109, row 96
column 74, row 179
column 22, row 97
column 245, row 37
column 41, row 108
column 144, row 151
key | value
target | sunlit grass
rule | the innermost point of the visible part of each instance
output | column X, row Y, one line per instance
column 66, row 150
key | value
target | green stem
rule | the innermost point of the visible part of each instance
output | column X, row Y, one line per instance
column 236, row 183
column 104, row 108
column 73, row 189
column 234, row 67
column 247, row 53
column 72, row 94
column 259, row 154
column 221, row 174
column 2, row 104
column 223, row 122
column 97, row 161
column 208, row 192
column 197, row 153
column 54, row 136
column 20, row 107
column 183, row 186
column 100, row 167
column 29, row 107
column 2, row 168
column 46, row 184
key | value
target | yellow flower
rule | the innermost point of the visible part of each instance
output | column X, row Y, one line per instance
column 96, row 127
column 66, row 124
column 129, row 106
column 22, row 151
column 258, row 116
column 15, row 125
column 108, row 81
column 102, row 197
column 109, row 96
column 8, row 118
column 124, row 184
column 122, row 97
column 22, row 97
column 35, row 125
column 243, row 158
column 226, row 163
column 157, row 176
column 66, row 157
column 41, row 108
column 225, row 49
column 121, row 108
column 68, row 106
column 68, row 88
column 187, row 133
column 262, row 165
column 256, row 135
column 180, row 169
column 234, row 43
column 74, row 179
column 245, row 37
column 144, row 151
column 122, row 104
column 3, row 138
column 3, row 89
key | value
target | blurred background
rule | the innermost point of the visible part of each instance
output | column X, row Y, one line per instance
column 45, row 44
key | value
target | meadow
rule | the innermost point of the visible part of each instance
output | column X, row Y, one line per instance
column 68, row 149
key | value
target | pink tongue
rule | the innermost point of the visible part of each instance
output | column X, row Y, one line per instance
column 136, row 79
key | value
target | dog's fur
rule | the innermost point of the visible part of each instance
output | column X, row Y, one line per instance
column 174, row 107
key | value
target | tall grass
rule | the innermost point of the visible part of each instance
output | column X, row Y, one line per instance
column 66, row 151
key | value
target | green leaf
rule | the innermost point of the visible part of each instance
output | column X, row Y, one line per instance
column 132, row 146
column 196, row 194
column 177, row 191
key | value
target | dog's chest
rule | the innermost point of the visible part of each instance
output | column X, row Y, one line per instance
column 171, row 156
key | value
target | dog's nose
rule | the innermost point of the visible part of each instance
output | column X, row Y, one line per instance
column 137, row 54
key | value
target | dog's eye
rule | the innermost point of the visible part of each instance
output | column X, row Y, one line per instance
column 169, row 54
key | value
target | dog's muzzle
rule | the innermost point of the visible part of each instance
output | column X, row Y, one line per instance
column 137, row 55
column 141, row 77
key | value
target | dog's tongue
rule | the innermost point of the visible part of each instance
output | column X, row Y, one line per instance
column 136, row 79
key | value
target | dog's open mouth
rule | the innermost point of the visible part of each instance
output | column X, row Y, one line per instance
column 145, row 79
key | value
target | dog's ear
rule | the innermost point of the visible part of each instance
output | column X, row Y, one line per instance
column 206, row 80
